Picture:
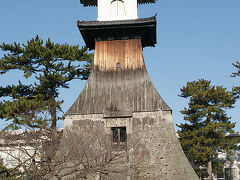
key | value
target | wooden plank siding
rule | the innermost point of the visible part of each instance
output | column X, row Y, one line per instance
column 128, row 53
column 112, row 90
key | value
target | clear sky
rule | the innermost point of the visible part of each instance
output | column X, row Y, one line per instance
column 195, row 39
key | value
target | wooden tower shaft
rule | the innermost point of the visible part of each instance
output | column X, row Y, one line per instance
column 118, row 54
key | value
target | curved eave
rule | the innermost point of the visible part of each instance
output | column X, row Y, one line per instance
column 144, row 29
column 94, row 2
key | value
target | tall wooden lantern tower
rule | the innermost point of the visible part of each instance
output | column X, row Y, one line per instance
column 119, row 94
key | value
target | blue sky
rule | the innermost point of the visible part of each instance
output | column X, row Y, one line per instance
column 195, row 39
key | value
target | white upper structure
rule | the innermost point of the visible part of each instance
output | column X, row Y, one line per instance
column 111, row 10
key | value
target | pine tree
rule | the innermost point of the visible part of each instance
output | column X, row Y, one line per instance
column 203, row 134
column 236, row 89
column 53, row 66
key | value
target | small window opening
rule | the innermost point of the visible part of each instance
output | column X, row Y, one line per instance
column 119, row 137
column 118, row 65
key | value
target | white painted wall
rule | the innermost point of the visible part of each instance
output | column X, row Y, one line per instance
column 14, row 156
column 110, row 10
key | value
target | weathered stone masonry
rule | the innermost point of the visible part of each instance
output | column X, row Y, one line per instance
column 156, row 139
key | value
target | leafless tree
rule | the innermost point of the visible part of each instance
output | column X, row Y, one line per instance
column 45, row 154
column 29, row 150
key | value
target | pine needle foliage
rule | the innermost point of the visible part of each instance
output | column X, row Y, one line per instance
column 236, row 89
column 52, row 66
column 206, row 124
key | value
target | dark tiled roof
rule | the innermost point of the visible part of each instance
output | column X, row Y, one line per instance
column 94, row 2
column 144, row 28
column 118, row 22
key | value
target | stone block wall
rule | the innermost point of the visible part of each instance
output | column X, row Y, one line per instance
column 157, row 153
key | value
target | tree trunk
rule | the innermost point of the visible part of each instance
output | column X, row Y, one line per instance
column 209, row 170
column 53, row 113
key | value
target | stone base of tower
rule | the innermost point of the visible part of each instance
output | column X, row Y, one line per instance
column 156, row 151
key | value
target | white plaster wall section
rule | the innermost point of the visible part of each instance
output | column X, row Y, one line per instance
column 116, row 122
column 103, row 9
column 168, row 115
column 117, row 9
column 131, row 9
column 163, row 114
column 127, row 9
column 14, row 156
column 68, row 122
